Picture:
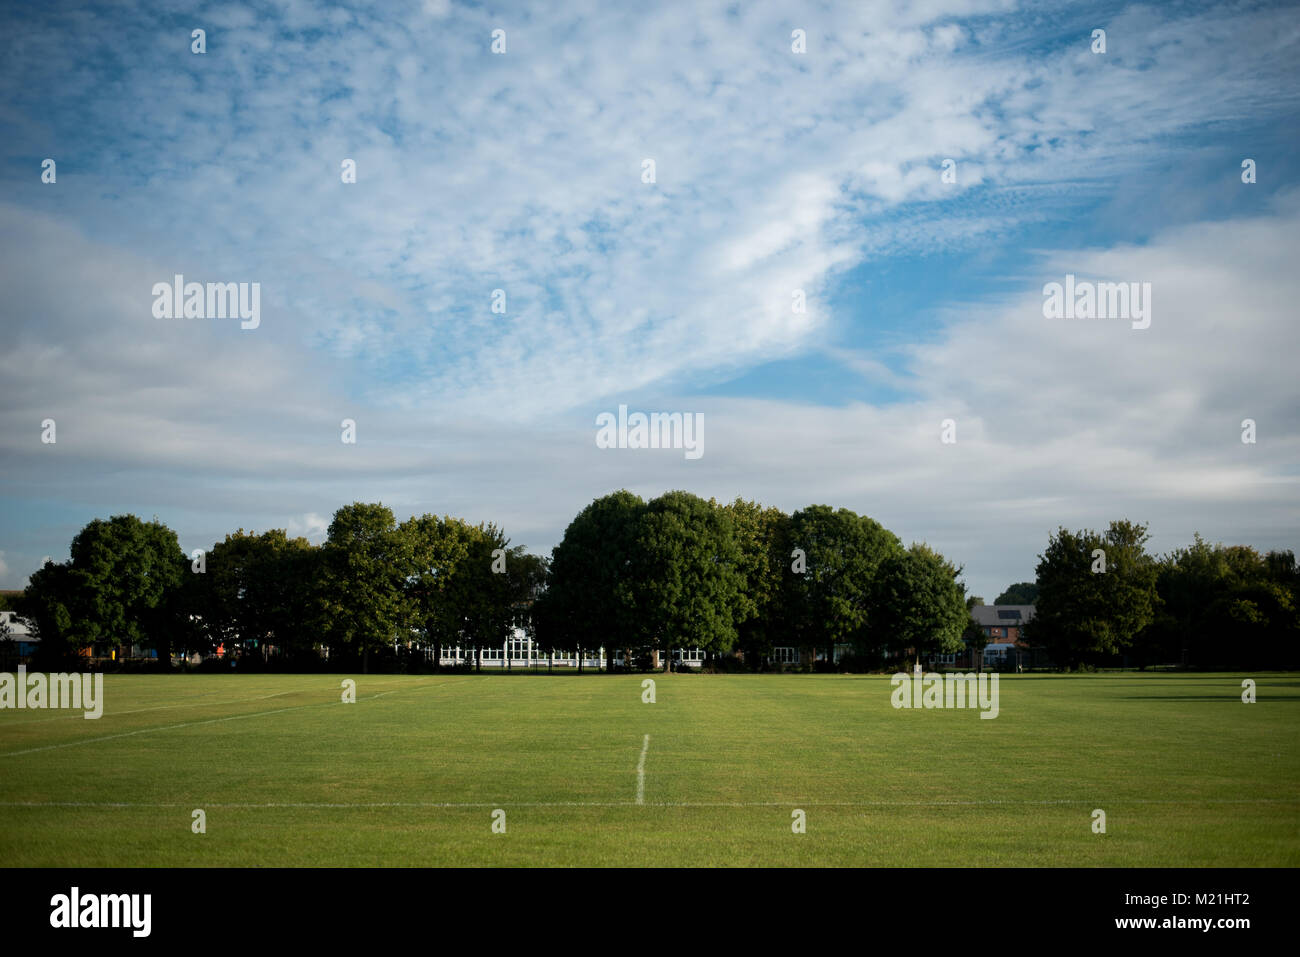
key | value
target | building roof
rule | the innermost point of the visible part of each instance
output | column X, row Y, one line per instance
column 1000, row 616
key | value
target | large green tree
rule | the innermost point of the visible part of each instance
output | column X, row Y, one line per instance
column 48, row 605
column 114, row 590
column 366, row 565
column 257, row 592
column 481, row 594
column 1096, row 592
column 1224, row 607
column 763, row 537
column 691, row 590
column 919, row 606
column 590, row 598
column 438, row 547
column 829, row 601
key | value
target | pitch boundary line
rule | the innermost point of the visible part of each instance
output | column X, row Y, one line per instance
column 193, row 724
column 192, row 704
column 291, row 805
column 640, row 771
column 158, row 707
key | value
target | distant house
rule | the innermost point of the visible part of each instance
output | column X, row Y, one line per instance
column 1006, row 647
column 26, row 642
column 1003, row 623
column 1005, row 627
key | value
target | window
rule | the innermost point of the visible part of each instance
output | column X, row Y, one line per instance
column 785, row 656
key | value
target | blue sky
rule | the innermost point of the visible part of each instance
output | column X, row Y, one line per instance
column 775, row 171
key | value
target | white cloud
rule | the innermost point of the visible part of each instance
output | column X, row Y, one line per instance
column 522, row 172
column 1059, row 422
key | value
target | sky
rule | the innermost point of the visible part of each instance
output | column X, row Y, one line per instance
column 774, row 171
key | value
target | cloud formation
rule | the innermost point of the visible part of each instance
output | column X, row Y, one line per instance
column 774, row 172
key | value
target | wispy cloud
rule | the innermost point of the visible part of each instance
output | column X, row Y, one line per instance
column 775, row 172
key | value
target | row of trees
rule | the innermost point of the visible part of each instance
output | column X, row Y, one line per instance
column 677, row 571
column 375, row 585
column 1102, row 598
column 680, row 571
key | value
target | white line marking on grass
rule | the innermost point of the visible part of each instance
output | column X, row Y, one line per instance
column 169, row 727
column 160, row 707
column 640, row 771
column 192, row 704
column 674, row 804
column 185, row 724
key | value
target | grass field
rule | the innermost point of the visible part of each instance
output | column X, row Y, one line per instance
column 411, row 773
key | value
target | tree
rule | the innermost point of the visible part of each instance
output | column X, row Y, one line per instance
column 1223, row 606
column 1021, row 593
column 590, row 597
column 438, row 547
column 918, row 604
column 829, row 602
column 1096, row 592
column 366, row 564
column 527, row 575
column 763, row 537
column 973, row 635
column 47, row 605
column 691, row 592
column 257, row 591
column 114, row 589
column 8, row 647
column 491, row 590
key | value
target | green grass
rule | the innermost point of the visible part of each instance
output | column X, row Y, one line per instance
column 1187, row 773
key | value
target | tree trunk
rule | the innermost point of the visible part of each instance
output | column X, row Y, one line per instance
column 365, row 660
column 478, row 658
